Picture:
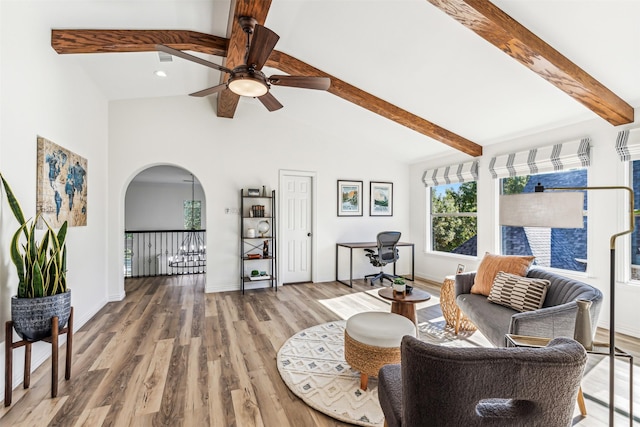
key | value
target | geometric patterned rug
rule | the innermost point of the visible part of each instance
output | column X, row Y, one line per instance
column 312, row 365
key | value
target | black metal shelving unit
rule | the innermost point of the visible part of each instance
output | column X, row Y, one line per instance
column 252, row 254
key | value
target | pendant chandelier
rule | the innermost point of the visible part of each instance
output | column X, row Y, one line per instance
column 192, row 252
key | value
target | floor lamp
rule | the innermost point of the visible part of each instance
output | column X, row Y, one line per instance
column 565, row 210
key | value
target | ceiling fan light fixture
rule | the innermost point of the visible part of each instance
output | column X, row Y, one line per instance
column 248, row 86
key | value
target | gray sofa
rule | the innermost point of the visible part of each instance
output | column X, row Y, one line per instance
column 556, row 318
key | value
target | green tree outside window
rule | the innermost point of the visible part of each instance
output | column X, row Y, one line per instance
column 453, row 216
column 192, row 212
column 514, row 185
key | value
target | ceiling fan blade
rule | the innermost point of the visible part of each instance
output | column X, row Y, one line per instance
column 320, row 83
column 270, row 102
column 262, row 44
column 211, row 90
column 192, row 58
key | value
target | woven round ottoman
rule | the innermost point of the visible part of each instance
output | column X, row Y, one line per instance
column 372, row 340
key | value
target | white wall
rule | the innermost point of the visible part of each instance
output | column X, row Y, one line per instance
column 245, row 152
column 607, row 215
column 41, row 95
column 154, row 206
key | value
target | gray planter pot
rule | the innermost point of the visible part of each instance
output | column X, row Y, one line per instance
column 32, row 316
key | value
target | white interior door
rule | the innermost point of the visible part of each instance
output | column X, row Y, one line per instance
column 296, row 228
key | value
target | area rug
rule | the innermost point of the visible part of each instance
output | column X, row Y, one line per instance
column 312, row 365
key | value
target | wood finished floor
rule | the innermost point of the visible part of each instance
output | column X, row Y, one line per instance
column 171, row 355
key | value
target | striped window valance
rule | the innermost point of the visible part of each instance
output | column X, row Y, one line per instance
column 628, row 145
column 463, row 172
column 565, row 156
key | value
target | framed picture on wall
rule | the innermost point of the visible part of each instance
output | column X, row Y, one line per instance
column 349, row 198
column 381, row 199
column 61, row 193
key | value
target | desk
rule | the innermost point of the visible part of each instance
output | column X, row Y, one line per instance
column 369, row 245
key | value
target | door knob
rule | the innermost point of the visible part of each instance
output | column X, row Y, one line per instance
column 308, row 234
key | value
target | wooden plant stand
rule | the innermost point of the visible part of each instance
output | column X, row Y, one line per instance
column 53, row 340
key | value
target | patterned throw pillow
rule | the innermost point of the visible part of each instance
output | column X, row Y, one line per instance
column 490, row 266
column 519, row 293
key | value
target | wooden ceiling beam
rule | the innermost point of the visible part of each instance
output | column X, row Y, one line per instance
column 257, row 9
column 504, row 32
column 344, row 90
column 101, row 41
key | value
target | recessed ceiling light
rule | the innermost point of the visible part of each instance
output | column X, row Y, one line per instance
column 160, row 73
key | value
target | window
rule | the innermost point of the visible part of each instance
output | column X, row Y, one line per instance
column 562, row 248
column 555, row 166
column 191, row 212
column 628, row 149
column 454, row 225
column 635, row 236
column 453, row 207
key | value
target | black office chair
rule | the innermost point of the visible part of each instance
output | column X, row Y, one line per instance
column 387, row 254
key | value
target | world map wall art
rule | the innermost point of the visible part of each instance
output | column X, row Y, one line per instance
column 62, row 186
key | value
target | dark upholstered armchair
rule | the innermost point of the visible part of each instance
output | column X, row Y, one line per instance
column 445, row 386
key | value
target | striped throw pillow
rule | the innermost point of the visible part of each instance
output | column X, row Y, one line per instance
column 517, row 292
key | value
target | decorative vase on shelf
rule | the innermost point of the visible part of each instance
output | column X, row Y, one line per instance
column 264, row 191
column 582, row 332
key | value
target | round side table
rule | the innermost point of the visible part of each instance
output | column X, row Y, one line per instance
column 449, row 307
column 405, row 305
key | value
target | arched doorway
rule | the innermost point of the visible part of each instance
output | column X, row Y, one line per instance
column 165, row 230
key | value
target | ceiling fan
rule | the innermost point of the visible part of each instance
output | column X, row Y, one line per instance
column 247, row 79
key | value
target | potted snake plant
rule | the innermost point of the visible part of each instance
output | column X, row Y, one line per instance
column 41, row 267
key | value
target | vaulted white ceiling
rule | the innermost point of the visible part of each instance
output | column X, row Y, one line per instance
column 406, row 52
